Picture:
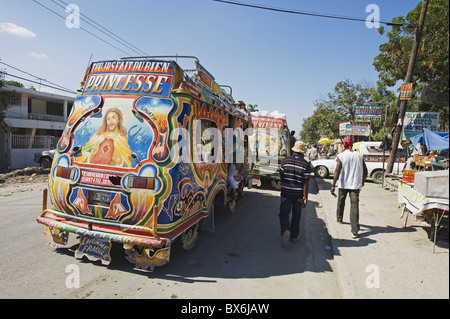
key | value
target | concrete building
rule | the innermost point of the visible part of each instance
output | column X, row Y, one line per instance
column 36, row 121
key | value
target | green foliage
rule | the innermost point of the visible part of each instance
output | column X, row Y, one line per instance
column 252, row 107
column 431, row 69
column 309, row 133
column 336, row 107
column 380, row 95
column 432, row 63
column 5, row 98
column 13, row 83
column 432, row 57
column 339, row 107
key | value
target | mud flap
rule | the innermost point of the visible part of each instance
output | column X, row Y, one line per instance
column 147, row 257
column 190, row 236
column 209, row 221
column 230, row 206
column 57, row 238
column 94, row 249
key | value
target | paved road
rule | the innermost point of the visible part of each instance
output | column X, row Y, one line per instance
column 243, row 258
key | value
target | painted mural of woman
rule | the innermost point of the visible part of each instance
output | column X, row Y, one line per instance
column 109, row 145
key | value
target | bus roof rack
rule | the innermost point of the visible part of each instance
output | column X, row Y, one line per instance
column 162, row 56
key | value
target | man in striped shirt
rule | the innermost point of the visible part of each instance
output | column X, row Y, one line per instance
column 295, row 173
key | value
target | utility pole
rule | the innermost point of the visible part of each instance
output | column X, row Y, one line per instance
column 408, row 78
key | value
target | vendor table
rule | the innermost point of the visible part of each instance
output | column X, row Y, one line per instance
column 418, row 204
column 438, row 165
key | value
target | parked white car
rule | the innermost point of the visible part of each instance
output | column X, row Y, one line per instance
column 373, row 157
column 45, row 158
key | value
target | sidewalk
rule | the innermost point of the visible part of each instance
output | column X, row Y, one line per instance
column 387, row 260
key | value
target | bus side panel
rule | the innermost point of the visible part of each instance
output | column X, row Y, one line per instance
column 194, row 183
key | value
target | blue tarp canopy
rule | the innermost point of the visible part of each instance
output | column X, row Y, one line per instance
column 434, row 141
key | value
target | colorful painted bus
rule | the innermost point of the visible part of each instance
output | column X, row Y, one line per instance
column 140, row 161
column 270, row 144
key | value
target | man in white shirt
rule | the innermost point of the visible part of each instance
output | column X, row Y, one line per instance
column 350, row 173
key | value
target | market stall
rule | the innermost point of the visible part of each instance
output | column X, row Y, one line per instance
column 435, row 210
column 424, row 190
column 434, row 147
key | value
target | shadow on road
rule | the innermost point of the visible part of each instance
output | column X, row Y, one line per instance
column 368, row 204
column 246, row 244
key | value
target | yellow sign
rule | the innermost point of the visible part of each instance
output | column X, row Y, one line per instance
column 406, row 91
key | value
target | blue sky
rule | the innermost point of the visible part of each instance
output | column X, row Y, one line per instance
column 278, row 61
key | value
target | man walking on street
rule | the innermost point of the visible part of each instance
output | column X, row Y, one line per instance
column 295, row 173
column 312, row 154
column 350, row 173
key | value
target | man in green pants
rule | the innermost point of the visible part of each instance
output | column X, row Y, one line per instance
column 350, row 173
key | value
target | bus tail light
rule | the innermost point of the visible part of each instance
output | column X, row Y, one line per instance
column 141, row 182
column 65, row 172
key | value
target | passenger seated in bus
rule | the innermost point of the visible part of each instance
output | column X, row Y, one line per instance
column 237, row 172
column 231, row 180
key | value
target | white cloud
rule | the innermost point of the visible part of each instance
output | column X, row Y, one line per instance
column 39, row 55
column 16, row 30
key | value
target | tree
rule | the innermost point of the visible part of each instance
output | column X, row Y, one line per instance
column 309, row 133
column 252, row 107
column 336, row 107
column 432, row 63
column 386, row 98
column 339, row 107
column 5, row 98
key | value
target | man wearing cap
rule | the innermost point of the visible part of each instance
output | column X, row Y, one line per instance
column 350, row 173
column 295, row 173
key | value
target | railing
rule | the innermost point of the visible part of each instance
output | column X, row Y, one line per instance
column 38, row 141
column 34, row 116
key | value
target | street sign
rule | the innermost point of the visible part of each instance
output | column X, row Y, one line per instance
column 368, row 113
column 354, row 129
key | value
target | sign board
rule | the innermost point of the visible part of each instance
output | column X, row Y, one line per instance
column 406, row 91
column 94, row 249
column 415, row 122
column 367, row 113
column 354, row 129
column 434, row 98
column 130, row 77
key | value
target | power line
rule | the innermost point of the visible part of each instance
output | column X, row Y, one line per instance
column 59, row 87
column 330, row 16
column 105, row 31
column 103, row 40
column 142, row 52
column 50, row 86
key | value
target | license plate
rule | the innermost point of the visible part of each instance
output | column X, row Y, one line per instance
column 99, row 198
column 94, row 249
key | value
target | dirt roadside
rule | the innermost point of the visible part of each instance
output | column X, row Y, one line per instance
column 23, row 180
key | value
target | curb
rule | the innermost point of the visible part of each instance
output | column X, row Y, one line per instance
column 343, row 273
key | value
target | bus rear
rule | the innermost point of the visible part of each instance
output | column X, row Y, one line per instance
column 119, row 174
